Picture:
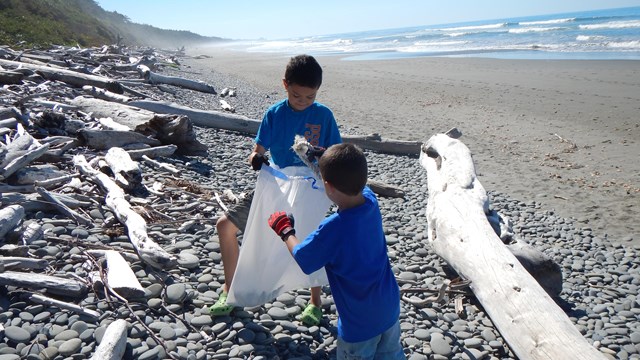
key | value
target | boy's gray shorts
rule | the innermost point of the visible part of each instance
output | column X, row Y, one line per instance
column 239, row 213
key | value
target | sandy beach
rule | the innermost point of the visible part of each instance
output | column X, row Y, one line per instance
column 562, row 133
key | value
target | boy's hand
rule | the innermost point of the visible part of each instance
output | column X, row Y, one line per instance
column 257, row 160
column 282, row 224
column 315, row 152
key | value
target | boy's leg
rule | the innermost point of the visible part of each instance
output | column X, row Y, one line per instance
column 229, row 249
column 385, row 346
column 227, row 227
column 312, row 314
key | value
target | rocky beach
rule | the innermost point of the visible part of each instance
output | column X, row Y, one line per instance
column 556, row 156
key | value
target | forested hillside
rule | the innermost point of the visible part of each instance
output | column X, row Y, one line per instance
column 27, row 23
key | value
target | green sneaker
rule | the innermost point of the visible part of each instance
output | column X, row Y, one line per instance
column 221, row 308
column 311, row 315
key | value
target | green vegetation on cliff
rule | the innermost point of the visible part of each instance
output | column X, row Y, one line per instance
column 28, row 23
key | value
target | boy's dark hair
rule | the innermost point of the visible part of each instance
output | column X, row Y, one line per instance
column 305, row 71
column 345, row 167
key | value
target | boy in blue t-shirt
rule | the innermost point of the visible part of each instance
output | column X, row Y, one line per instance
column 351, row 246
column 298, row 114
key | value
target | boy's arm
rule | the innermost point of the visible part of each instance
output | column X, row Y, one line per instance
column 282, row 225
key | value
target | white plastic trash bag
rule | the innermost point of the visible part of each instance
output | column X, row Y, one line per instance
column 265, row 268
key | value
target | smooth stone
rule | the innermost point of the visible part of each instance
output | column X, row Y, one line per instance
column 17, row 334
column 439, row 345
column 67, row 335
column 176, row 293
column 202, row 320
column 70, row 347
column 188, row 260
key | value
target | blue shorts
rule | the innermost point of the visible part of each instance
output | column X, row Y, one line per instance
column 384, row 346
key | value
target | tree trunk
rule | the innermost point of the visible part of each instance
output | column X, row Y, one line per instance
column 458, row 230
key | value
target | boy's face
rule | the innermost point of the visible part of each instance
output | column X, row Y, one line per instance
column 300, row 97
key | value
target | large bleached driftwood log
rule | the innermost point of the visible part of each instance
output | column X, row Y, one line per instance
column 233, row 122
column 204, row 118
column 458, row 230
column 120, row 113
column 67, row 76
column 150, row 252
column 155, row 78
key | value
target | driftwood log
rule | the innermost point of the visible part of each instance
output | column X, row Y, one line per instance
column 155, row 78
column 10, row 217
column 114, row 342
column 233, row 122
column 121, row 278
column 53, row 284
column 68, row 76
column 150, row 252
column 459, row 232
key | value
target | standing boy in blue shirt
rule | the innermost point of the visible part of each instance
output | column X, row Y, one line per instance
column 298, row 114
column 350, row 245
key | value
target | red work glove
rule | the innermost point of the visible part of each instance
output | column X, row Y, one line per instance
column 282, row 224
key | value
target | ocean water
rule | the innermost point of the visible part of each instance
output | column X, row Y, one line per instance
column 601, row 34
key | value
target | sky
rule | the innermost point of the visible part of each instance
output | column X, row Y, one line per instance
column 286, row 19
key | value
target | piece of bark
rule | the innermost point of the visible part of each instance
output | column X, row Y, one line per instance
column 155, row 78
column 10, row 217
column 150, row 252
column 106, row 139
column 126, row 172
column 67, row 76
column 53, row 284
column 113, row 343
column 459, row 232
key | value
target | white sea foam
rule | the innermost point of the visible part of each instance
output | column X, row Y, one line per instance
column 590, row 38
column 633, row 45
column 534, row 29
column 612, row 25
column 547, row 22
column 476, row 27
